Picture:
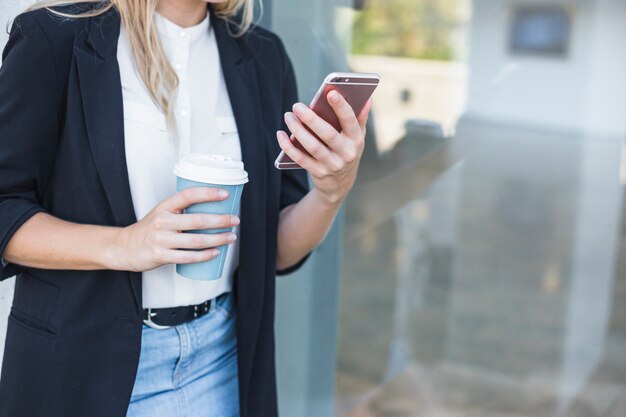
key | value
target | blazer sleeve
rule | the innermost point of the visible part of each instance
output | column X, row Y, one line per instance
column 294, row 182
column 30, row 113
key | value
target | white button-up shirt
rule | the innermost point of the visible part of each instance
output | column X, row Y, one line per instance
column 204, row 124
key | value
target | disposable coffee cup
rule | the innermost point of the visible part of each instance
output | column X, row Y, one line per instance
column 215, row 171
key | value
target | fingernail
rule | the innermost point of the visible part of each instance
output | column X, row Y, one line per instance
column 215, row 252
column 289, row 116
column 299, row 108
column 223, row 193
column 232, row 237
column 334, row 96
column 234, row 220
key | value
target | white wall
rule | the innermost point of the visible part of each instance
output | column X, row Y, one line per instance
column 8, row 10
column 547, row 92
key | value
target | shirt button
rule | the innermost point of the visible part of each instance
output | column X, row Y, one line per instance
column 182, row 34
column 184, row 113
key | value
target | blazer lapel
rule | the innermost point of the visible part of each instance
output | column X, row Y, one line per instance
column 239, row 71
column 95, row 53
column 101, row 92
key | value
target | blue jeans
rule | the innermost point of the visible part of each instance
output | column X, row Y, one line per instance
column 189, row 370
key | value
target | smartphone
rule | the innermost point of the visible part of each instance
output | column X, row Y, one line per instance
column 355, row 87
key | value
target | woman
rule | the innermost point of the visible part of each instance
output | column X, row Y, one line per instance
column 96, row 97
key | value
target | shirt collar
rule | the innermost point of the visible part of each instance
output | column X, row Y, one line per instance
column 172, row 30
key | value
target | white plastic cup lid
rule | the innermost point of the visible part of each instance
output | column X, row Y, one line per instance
column 211, row 168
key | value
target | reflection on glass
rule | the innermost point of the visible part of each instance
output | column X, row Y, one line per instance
column 480, row 266
column 483, row 269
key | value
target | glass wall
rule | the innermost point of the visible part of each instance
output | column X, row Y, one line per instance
column 478, row 267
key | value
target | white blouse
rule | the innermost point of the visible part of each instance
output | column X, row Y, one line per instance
column 205, row 124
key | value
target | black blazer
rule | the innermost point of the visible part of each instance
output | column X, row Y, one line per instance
column 73, row 337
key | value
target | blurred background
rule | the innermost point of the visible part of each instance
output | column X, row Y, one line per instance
column 477, row 267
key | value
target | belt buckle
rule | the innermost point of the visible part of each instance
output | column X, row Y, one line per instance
column 152, row 324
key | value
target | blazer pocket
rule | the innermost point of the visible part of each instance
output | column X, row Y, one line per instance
column 35, row 302
column 28, row 323
column 144, row 114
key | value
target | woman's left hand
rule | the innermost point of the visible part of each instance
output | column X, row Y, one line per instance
column 333, row 168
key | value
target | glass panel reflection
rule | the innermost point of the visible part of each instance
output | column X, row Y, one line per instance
column 483, row 266
column 479, row 270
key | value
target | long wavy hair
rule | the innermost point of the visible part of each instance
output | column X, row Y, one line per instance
column 137, row 16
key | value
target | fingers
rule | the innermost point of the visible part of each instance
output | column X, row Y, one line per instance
column 171, row 246
column 363, row 116
column 174, row 240
column 299, row 157
column 349, row 123
column 316, row 148
column 192, row 195
column 344, row 148
column 195, row 221
column 173, row 256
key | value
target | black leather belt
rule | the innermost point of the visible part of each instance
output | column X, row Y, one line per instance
column 164, row 318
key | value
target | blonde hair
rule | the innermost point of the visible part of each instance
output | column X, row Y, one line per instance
column 137, row 16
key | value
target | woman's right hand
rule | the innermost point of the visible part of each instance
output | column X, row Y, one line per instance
column 157, row 239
